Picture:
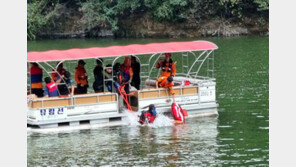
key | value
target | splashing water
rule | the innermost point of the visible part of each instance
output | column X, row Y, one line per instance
column 131, row 118
column 160, row 121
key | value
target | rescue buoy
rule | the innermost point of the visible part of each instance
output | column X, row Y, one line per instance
column 184, row 112
column 178, row 113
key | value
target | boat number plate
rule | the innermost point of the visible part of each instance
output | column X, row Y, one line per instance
column 52, row 113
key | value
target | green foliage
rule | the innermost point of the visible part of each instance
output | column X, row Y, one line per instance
column 45, row 15
column 105, row 13
column 35, row 20
column 40, row 16
column 240, row 8
column 263, row 5
column 167, row 10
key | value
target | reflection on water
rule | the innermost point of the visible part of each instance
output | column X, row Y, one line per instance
column 193, row 143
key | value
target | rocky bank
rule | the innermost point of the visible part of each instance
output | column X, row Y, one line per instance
column 70, row 24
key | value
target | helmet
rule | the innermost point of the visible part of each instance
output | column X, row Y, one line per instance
column 152, row 109
column 170, row 79
column 168, row 54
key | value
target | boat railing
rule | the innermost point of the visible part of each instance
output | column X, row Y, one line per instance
column 148, row 93
column 70, row 101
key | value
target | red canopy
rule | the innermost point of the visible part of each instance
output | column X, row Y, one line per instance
column 113, row 51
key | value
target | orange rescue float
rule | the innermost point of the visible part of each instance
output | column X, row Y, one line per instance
column 178, row 114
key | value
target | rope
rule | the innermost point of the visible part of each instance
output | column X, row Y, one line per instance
column 124, row 97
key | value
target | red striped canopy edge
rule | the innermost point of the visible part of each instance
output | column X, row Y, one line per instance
column 114, row 51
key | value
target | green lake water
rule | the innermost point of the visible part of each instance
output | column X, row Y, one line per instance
column 239, row 136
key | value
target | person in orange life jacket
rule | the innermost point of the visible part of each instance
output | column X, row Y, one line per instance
column 36, row 80
column 65, row 82
column 81, row 78
column 148, row 116
column 51, row 88
column 127, row 73
column 168, row 67
column 166, row 82
column 59, row 70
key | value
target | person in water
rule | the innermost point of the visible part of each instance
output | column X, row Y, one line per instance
column 148, row 116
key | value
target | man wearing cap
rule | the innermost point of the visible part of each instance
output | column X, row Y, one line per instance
column 81, row 78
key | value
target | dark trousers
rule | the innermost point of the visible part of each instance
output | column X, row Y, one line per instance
column 98, row 88
column 37, row 92
column 81, row 89
column 126, row 88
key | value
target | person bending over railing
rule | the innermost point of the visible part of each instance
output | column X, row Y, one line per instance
column 166, row 82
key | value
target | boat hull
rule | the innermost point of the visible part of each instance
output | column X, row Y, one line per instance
column 94, row 109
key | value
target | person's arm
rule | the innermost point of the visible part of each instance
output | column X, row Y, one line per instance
column 95, row 74
column 60, row 79
column 173, row 98
column 131, row 74
column 158, row 63
column 72, row 90
column 72, row 87
column 156, row 84
column 76, row 77
column 53, row 76
column 174, row 69
column 45, row 92
column 86, row 77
